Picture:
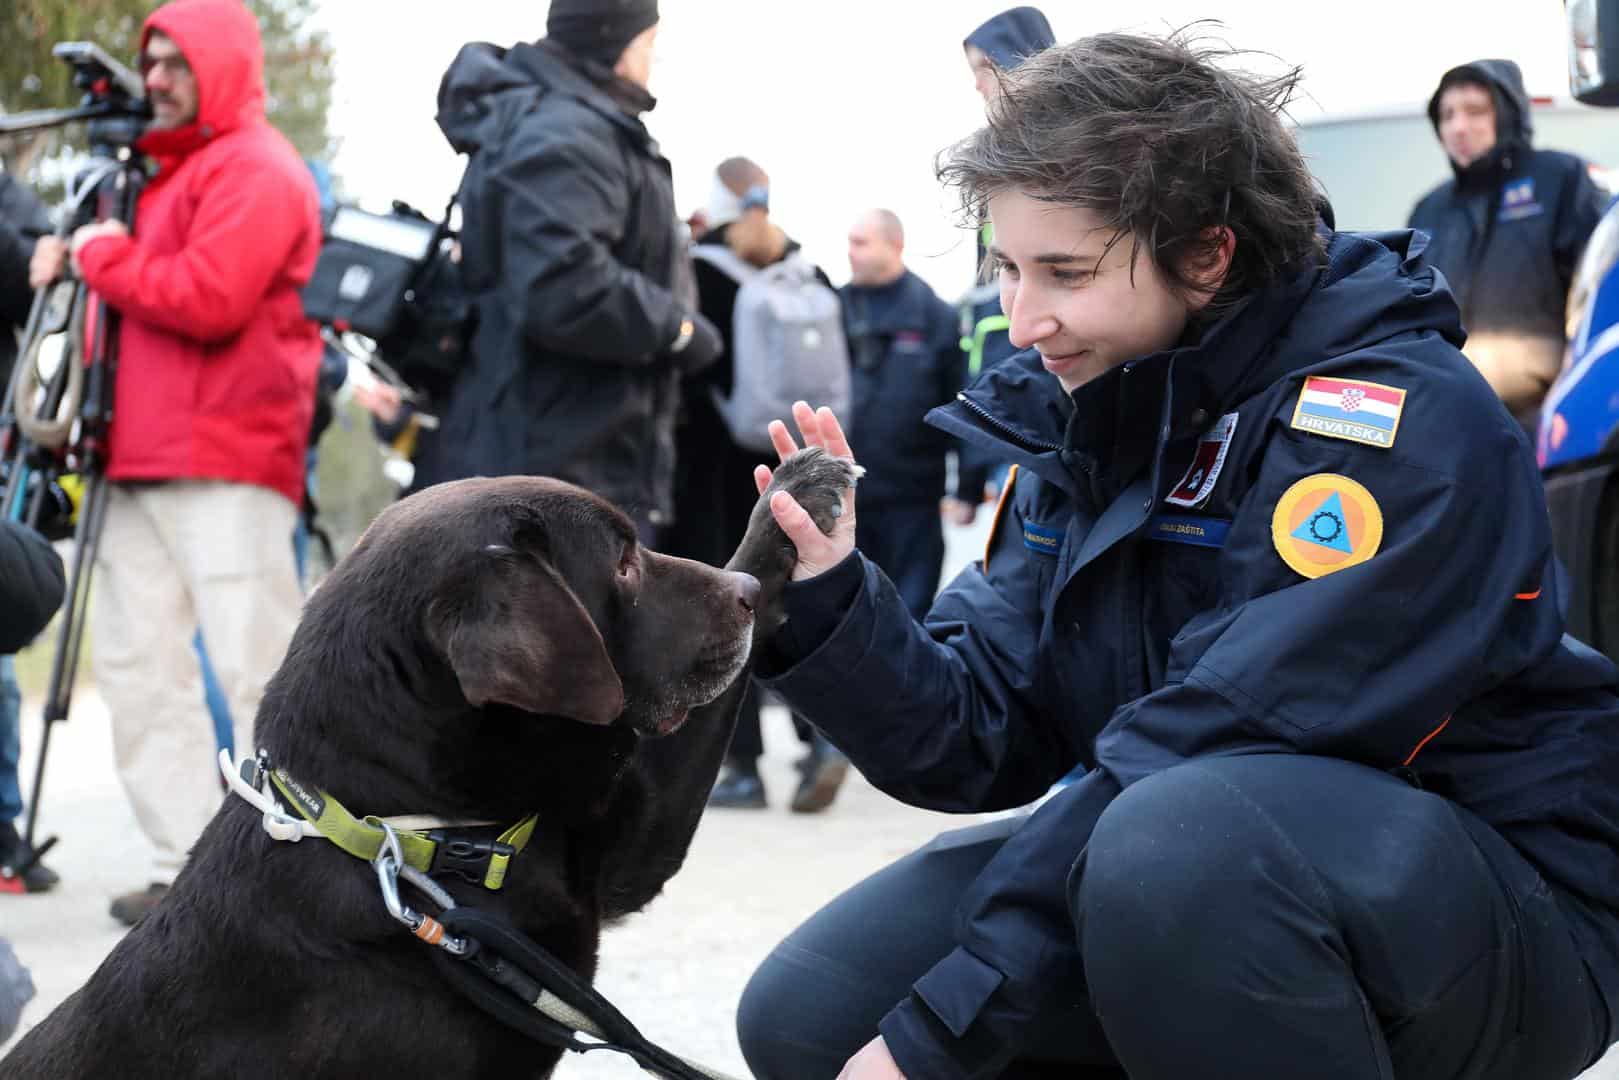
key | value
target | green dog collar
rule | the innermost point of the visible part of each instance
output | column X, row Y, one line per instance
column 425, row 850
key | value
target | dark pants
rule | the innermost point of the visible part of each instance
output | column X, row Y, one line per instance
column 906, row 541
column 1239, row 917
column 748, row 740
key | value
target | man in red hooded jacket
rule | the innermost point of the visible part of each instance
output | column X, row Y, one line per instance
column 214, row 393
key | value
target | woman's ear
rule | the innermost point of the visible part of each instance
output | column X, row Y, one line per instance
column 1207, row 266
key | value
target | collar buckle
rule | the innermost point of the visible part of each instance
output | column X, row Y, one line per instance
column 474, row 860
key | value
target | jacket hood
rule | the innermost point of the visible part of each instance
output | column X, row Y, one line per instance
column 1375, row 286
column 1514, row 125
column 220, row 40
column 1013, row 36
column 1369, row 288
column 475, row 106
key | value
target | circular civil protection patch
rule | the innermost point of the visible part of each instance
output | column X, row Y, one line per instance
column 1325, row 523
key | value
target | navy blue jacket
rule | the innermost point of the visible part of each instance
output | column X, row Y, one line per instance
column 1110, row 628
column 1507, row 232
column 905, row 360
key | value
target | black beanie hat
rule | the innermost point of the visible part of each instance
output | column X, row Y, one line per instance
column 599, row 29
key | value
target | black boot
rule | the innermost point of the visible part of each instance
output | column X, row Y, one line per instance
column 15, row 852
column 739, row 786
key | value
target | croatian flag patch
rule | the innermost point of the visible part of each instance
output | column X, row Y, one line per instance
column 1363, row 412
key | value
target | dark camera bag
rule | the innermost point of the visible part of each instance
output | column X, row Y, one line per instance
column 367, row 264
column 394, row 279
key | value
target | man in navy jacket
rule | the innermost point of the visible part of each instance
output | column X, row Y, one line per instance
column 906, row 360
column 1275, row 569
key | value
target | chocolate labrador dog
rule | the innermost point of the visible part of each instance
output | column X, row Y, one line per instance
column 491, row 649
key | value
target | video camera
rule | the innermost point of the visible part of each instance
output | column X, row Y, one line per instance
column 114, row 101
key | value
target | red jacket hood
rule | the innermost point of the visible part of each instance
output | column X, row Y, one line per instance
column 220, row 40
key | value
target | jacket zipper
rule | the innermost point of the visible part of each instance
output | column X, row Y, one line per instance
column 1003, row 428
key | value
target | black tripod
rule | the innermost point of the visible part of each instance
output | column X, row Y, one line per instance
column 58, row 404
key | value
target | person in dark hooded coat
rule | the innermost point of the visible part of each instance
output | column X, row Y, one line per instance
column 1507, row 230
column 571, row 248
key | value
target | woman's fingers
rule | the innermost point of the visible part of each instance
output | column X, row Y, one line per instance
column 761, row 477
column 782, row 440
column 832, row 436
column 809, row 424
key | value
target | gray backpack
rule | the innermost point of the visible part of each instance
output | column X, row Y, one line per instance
column 787, row 344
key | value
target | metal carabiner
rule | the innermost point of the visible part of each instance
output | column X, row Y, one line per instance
column 388, row 861
column 389, row 858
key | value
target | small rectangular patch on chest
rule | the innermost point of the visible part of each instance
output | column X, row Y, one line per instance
column 1352, row 409
column 1040, row 538
column 1189, row 529
column 1518, row 201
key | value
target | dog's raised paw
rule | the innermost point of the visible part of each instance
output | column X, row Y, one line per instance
column 817, row 480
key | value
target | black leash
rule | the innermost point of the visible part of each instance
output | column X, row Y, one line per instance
column 507, row 975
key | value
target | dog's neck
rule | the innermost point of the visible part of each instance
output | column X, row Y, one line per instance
column 394, row 751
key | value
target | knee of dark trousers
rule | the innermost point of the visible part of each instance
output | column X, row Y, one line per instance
column 1181, row 870
column 771, row 1024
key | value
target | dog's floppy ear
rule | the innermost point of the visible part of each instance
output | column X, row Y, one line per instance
column 515, row 634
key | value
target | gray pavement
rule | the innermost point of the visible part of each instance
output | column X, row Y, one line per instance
column 677, row 969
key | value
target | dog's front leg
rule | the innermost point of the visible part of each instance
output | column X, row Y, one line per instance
column 661, row 804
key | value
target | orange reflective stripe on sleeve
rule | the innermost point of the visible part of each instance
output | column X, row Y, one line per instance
column 1425, row 740
column 1000, row 507
column 1526, row 595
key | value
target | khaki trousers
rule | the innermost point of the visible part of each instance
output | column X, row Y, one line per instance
column 173, row 556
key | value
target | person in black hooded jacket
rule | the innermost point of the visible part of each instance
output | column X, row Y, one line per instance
column 572, row 252
column 1507, row 230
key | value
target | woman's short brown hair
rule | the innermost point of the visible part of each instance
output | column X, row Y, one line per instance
column 1161, row 142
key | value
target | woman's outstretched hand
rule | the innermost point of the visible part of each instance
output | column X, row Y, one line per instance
column 817, row 552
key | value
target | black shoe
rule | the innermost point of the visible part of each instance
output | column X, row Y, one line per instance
column 824, row 769
column 15, row 852
column 132, row 907
column 738, row 789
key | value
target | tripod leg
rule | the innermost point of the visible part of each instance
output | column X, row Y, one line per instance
column 64, row 665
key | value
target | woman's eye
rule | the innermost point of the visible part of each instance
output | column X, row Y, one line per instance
column 1071, row 277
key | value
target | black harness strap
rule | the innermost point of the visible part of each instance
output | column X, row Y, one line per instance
column 504, row 974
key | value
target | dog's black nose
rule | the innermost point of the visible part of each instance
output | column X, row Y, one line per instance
column 747, row 589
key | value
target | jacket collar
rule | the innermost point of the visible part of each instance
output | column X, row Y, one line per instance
column 1107, row 431
column 557, row 72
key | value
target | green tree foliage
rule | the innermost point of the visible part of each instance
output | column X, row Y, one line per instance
column 299, row 68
